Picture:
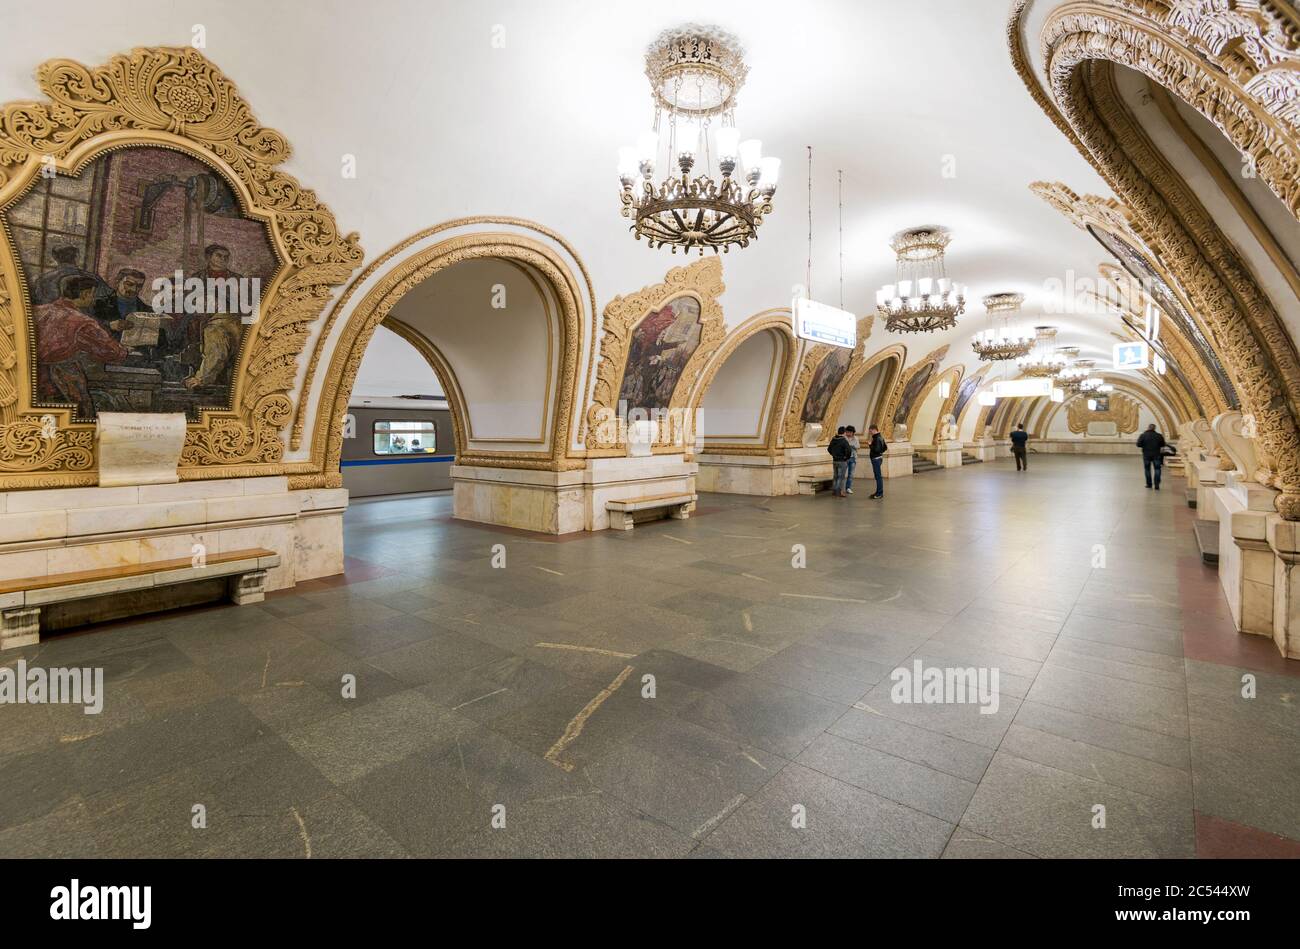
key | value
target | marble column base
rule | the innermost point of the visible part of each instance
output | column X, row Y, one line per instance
column 948, row 454
column 1245, row 559
column 898, row 461
column 1207, row 478
column 765, row 475
column 986, row 449
column 549, row 502
column 61, row 530
column 1284, row 540
column 563, row 502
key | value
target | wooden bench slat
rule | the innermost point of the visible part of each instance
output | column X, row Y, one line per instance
column 126, row 570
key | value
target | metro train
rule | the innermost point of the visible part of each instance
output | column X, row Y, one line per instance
column 397, row 445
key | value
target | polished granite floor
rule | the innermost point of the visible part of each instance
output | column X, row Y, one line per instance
column 519, row 696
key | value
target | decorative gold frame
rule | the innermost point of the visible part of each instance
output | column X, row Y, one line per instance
column 170, row 97
column 1123, row 412
column 701, row 280
column 1235, row 62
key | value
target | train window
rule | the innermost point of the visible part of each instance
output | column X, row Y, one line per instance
column 405, row 437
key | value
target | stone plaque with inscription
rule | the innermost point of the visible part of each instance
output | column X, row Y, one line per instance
column 139, row 448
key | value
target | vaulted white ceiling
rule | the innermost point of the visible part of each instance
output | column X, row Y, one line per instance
column 443, row 124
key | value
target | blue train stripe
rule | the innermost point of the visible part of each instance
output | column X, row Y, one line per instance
column 366, row 462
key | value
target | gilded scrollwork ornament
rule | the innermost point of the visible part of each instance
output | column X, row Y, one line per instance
column 624, row 317
column 175, row 98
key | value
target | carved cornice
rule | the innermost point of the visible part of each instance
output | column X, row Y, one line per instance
column 1235, row 62
column 172, row 97
column 701, row 280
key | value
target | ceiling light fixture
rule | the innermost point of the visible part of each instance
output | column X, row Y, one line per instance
column 1042, row 361
column 1001, row 341
column 922, row 299
column 695, row 73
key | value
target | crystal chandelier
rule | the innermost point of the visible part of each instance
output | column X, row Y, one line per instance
column 695, row 73
column 922, row 299
column 1000, row 341
column 1042, row 361
column 1071, row 377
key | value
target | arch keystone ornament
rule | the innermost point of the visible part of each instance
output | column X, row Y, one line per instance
column 166, row 98
column 1236, row 62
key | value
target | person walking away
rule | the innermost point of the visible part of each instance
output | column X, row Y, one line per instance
column 1152, row 444
column 851, row 436
column 840, row 452
column 876, row 449
column 1019, row 447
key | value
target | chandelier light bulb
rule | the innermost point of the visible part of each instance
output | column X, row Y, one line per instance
column 647, row 146
column 751, row 154
column 769, row 170
column 728, row 143
column 628, row 165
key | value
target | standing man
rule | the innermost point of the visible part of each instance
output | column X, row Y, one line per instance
column 840, row 452
column 1019, row 447
column 851, row 436
column 1152, row 444
column 876, row 449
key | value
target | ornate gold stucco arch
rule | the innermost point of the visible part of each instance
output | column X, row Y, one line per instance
column 341, row 305
column 983, row 374
column 895, row 352
column 777, row 321
column 378, row 303
column 168, row 97
column 1235, row 62
column 792, row 425
column 952, row 374
column 890, row 408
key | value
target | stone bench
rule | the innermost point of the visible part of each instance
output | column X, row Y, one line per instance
column 21, row 600
column 811, row 484
column 625, row 513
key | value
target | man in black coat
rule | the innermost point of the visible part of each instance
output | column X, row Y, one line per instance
column 877, row 449
column 840, row 451
column 1152, row 444
column 1020, row 447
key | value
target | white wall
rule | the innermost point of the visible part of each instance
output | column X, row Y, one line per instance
column 391, row 366
column 734, row 406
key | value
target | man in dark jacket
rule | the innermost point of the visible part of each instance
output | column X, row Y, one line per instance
column 840, row 451
column 876, row 449
column 1152, row 444
column 1020, row 447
